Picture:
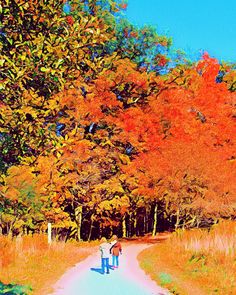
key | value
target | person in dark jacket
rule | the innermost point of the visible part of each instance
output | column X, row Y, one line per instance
column 115, row 250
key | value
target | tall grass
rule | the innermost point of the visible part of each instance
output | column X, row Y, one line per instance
column 220, row 240
column 32, row 261
column 199, row 261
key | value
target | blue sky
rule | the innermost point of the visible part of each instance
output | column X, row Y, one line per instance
column 194, row 25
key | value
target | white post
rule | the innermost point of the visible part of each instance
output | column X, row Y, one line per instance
column 49, row 233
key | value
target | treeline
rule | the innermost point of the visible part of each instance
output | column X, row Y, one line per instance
column 102, row 133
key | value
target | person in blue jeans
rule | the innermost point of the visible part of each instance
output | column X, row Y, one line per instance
column 115, row 250
column 105, row 254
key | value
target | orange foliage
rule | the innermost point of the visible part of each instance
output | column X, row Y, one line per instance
column 129, row 134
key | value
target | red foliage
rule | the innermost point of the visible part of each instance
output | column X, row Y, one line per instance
column 70, row 19
column 123, row 5
column 161, row 60
column 209, row 67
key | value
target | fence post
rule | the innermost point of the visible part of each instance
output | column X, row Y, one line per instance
column 49, row 232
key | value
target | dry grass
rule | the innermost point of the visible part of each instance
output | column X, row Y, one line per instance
column 31, row 261
column 195, row 262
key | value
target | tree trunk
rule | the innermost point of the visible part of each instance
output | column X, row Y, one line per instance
column 135, row 224
column 90, row 229
column 154, row 231
column 129, row 226
column 124, row 233
column 78, row 220
column 146, row 221
column 57, row 234
column 10, row 233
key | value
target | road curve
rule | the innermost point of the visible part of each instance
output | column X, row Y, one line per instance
column 85, row 277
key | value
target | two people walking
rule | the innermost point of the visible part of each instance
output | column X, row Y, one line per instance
column 107, row 249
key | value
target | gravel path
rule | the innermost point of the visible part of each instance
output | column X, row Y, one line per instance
column 86, row 279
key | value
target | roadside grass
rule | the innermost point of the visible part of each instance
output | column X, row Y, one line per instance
column 13, row 289
column 195, row 262
column 32, row 262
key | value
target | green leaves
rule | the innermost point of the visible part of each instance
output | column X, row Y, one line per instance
column 41, row 53
column 13, row 289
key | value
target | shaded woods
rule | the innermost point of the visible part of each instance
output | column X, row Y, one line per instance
column 102, row 133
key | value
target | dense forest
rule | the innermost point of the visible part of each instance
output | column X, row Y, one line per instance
column 104, row 129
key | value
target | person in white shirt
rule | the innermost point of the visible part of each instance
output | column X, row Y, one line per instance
column 105, row 254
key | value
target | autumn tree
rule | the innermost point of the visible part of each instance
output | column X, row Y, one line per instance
column 99, row 135
column 42, row 48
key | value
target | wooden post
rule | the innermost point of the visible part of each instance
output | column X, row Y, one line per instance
column 49, row 233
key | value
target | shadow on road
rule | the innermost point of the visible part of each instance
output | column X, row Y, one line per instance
column 99, row 270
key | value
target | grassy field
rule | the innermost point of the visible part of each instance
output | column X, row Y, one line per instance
column 195, row 262
column 30, row 261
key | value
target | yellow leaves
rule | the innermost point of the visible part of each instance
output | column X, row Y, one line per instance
column 3, row 188
column 230, row 79
column 32, row 98
column 111, row 185
column 45, row 70
column 118, row 204
column 106, row 205
column 91, row 64
column 2, row 61
column 26, row 110
column 18, row 224
column 53, row 105
column 3, row 84
column 19, row 180
column 6, row 116
column 65, row 224
column 73, row 132
column 43, row 198
column 23, row 56
column 57, row 210
column 69, row 179
column 125, row 200
column 58, row 63
column 68, row 196
column 27, row 160
column 106, row 143
column 7, row 217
